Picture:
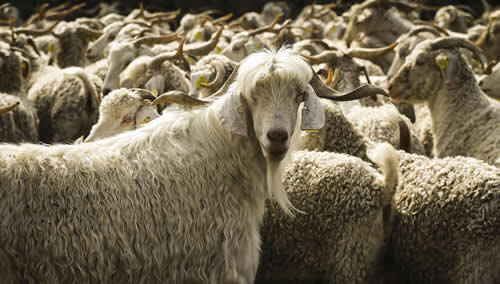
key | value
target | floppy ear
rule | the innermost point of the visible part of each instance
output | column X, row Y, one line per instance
column 145, row 114
column 233, row 114
column 156, row 84
column 313, row 115
column 447, row 65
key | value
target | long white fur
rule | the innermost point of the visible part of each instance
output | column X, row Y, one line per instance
column 181, row 198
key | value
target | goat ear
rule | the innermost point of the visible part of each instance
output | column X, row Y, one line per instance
column 313, row 115
column 145, row 114
column 156, row 84
column 233, row 114
column 447, row 66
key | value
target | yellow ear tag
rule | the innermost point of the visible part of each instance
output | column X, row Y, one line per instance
column 146, row 120
column 218, row 49
column 23, row 67
column 442, row 61
column 50, row 49
column 155, row 92
column 257, row 45
column 311, row 130
column 202, row 79
column 197, row 36
column 333, row 28
column 190, row 60
column 276, row 12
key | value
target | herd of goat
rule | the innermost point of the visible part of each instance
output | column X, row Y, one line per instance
column 160, row 147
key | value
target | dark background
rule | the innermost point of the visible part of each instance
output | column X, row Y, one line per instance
column 236, row 7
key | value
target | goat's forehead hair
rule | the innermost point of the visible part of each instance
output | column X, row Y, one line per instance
column 271, row 65
column 118, row 100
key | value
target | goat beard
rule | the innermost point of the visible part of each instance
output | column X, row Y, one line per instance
column 275, row 171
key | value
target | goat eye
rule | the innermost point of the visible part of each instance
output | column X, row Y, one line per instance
column 127, row 120
column 299, row 98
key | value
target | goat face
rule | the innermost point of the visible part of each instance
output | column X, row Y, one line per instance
column 425, row 73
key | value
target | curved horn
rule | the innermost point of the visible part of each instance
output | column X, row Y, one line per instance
column 219, row 75
column 6, row 109
column 222, row 19
column 265, row 28
column 32, row 43
column 171, row 14
column 226, row 85
column 490, row 66
column 324, row 91
column 59, row 15
column 454, row 42
column 325, row 56
column 144, row 94
column 151, row 40
column 428, row 29
column 90, row 33
column 205, row 48
column 158, row 60
column 180, row 98
column 484, row 35
column 404, row 137
column 34, row 32
column 5, row 5
column 370, row 53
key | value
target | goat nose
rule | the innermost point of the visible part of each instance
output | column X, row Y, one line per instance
column 105, row 92
column 277, row 135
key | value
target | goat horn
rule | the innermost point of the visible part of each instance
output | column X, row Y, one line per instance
column 151, row 40
column 91, row 33
column 324, row 91
column 329, row 79
column 427, row 28
column 59, row 15
column 453, row 42
column 219, row 76
column 60, row 7
column 404, row 137
column 226, row 85
column 180, row 98
column 490, row 66
column 35, row 32
column 265, row 28
column 222, row 19
column 5, row 5
column 6, row 109
column 325, row 56
column 165, row 16
column 370, row 53
column 158, row 60
column 484, row 35
column 144, row 94
column 32, row 43
column 204, row 48
column 137, row 22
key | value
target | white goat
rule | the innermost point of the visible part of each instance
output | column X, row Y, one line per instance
column 180, row 199
column 123, row 110
column 464, row 121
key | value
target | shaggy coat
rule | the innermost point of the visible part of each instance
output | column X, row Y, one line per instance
column 180, row 199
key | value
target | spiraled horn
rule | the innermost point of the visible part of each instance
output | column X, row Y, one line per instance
column 6, row 109
column 370, row 53
column 454, row 42
column 158, row 60
column 151, row 40
column 219, row 75
column 180, row 98
column 205, row 48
